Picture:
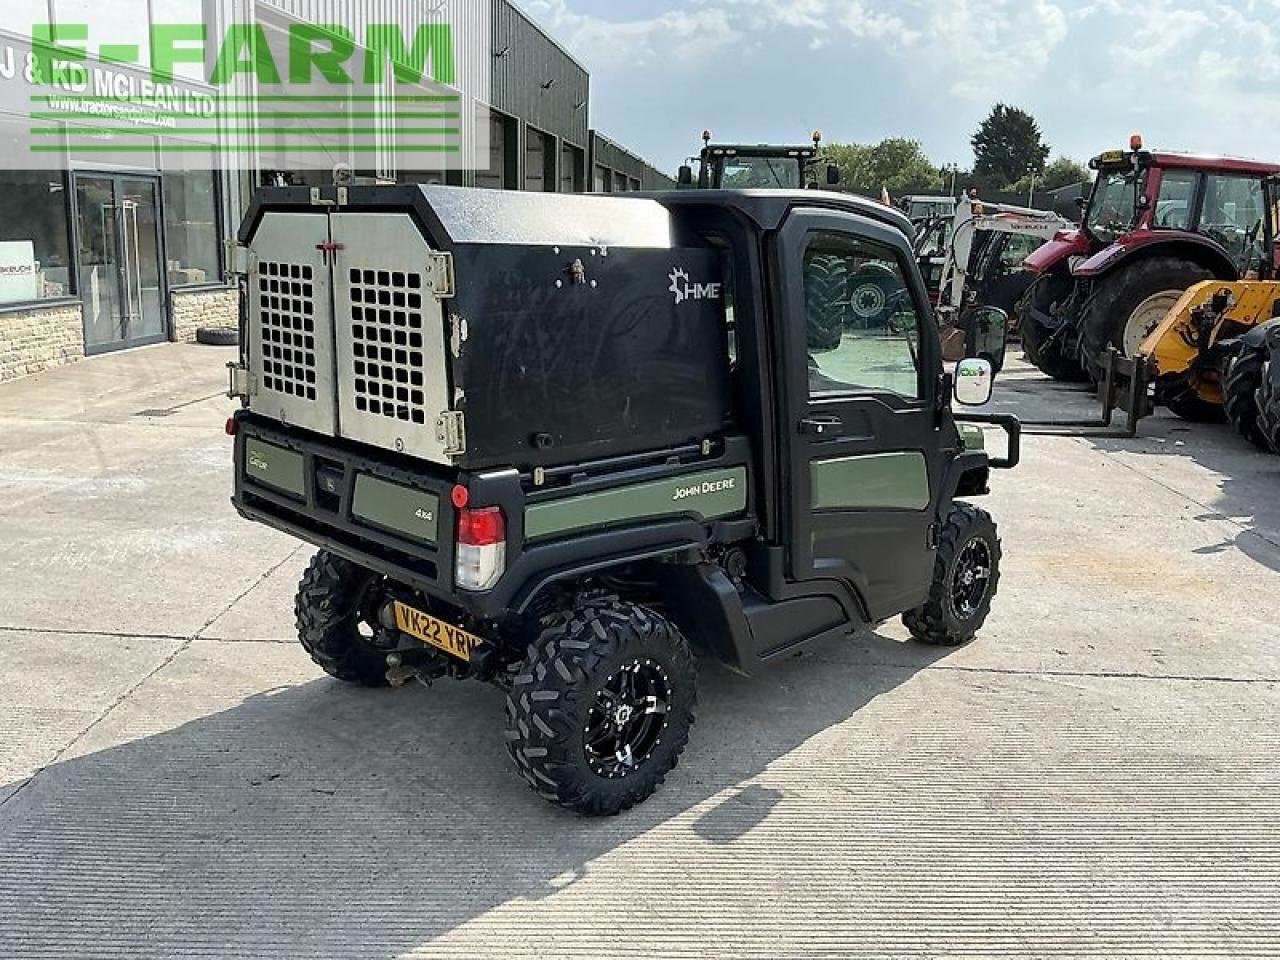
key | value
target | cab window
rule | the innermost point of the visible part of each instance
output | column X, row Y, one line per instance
column 1173, row 205
column 861, row 324
column 1233, row 212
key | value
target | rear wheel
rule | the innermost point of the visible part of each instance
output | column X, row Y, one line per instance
column 966, row 573
column 601, row 710
column 336, row 610
column 1041, row 346
column 1241, row 392
column 1129, row 303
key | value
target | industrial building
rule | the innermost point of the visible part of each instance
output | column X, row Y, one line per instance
column 110, row 256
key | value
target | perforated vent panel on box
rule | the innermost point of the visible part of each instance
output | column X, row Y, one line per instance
column 286, row 302
column 387, row 344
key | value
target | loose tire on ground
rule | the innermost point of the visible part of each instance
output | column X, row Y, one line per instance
column 1116, row 297
column 333, row 601
column 1241, row 394
column 966, row 573
column 218, row 336
column 1039, row 346
column 563, row 710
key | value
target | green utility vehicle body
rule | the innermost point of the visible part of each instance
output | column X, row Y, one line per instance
column 499, row 409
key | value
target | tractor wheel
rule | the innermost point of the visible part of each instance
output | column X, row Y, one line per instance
column 826, row 287
column 966, row 573
column 336, row 610
column 1178, row 394
column 872, row 296
column 1269, row 403
column 1241, row 392
column 1038, row 344
column 1128, row 304
column 601, row 709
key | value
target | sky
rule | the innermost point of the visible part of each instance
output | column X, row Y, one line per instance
column 1194, row 75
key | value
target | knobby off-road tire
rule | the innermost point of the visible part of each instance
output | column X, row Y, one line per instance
column 826, row 292
column 1179, row 396
column 218, row 336
column 1039, row 346
column 1117, row 296
column 585, row 664
column 1269, row 401
column 329, row 612
column 1242, row 396
column 966, row 573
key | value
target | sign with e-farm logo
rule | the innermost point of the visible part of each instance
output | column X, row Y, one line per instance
column 271, row 93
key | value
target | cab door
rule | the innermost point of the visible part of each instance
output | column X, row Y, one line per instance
column 860, row 368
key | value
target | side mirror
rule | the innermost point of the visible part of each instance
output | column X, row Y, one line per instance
column 685, row 177
column 1144, row 202
column 1081, row 202
column 973, row 382
column 833, row 174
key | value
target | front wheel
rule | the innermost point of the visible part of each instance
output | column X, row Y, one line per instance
column 1269, row 400
column 1242, row 394
column 1044, row 348
column 966, row 572
column 601, row 709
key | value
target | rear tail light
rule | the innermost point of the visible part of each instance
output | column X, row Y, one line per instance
column 482, row 548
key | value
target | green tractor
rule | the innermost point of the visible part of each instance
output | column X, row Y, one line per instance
column 749, row 166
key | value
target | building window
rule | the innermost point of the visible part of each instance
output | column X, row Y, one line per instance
column 192, row 238
column 35, row 255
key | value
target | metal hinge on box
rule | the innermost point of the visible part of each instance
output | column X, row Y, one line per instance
column 440, row 274
column 240, row 382
column 451, row 431
column 240, row 259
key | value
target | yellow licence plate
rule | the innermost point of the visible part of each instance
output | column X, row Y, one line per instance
column 437, row 633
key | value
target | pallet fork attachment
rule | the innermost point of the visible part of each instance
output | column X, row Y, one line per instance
column 1125, row 386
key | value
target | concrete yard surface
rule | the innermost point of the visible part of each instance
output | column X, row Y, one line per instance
column 1096, row 776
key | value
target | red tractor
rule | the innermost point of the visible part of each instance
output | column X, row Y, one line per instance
column 1154, row 225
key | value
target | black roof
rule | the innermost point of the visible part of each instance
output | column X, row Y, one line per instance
column 768, row 208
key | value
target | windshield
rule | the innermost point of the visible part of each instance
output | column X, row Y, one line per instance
column 744, row 173
column 1111, row 210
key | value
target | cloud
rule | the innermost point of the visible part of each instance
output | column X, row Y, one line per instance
column 683, row 35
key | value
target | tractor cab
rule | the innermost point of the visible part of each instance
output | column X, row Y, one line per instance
column 1154, row 224
column 740, row 166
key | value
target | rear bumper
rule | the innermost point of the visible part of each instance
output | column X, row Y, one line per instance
column 315, row 500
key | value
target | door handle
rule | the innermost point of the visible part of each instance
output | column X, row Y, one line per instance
column 822, row 427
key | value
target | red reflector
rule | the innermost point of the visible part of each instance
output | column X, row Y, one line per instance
column 482, row 527
column 233, row 427
column 460, row 496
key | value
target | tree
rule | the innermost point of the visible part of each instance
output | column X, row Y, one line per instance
column 1063, row 172
column 897, row 163
column 1008, row 145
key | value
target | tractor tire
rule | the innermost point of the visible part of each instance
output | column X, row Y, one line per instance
column 218, row 336
column 1269, row 403
column 332, row 607
column 601, row 709
column 1241, row 395
column 966, row 573
column 1179, row 396
column 1128, row 303
column 826, row 287
column 1039, row 345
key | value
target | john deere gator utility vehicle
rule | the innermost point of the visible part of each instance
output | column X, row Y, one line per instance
column 1154, row 225
column 561, row 442
column 748, row 166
